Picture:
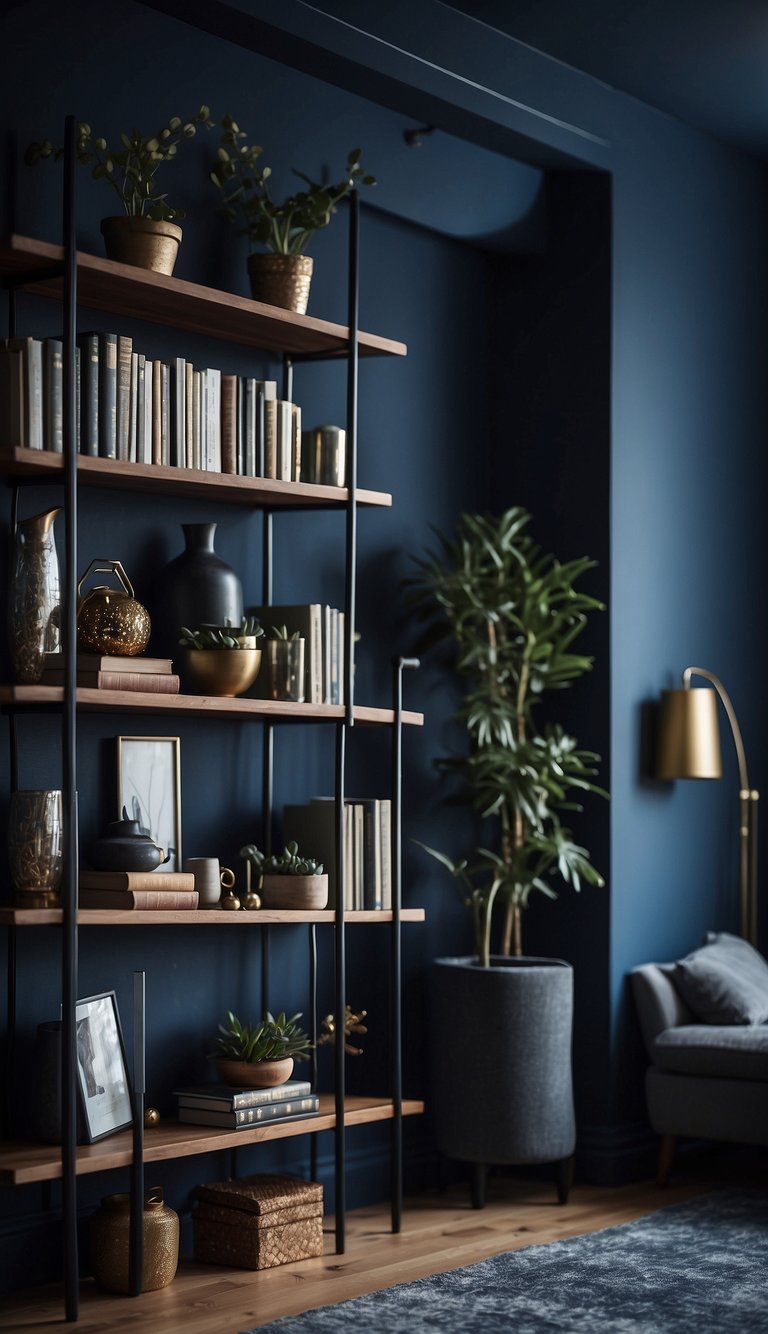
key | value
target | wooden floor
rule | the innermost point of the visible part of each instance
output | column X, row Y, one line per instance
column 439, row 1232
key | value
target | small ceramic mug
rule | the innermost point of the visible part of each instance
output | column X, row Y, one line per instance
column 210, row 879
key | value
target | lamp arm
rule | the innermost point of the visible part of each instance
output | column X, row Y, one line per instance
column 732, row 719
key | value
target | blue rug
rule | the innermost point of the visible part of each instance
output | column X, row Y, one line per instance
column 695, row 1268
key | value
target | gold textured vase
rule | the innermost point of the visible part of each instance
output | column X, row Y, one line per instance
column 220, row 671
column 34, row 610
column 142, row 242
column 281, row 280
column 109, row 1230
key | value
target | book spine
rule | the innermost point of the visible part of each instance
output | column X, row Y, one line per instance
column 314, row 669
column 141, row 408
column 140, row 900
column 240, row 425
column 108, row 396
column 158, row 683
column 246, row 1098
column 157, row 413
column 34, row 380
column 213, row 420
column 89, row 395
column 229, row 423
column 197, row 400
column 178, row 412
column 295, row 442
column 133, row 408
column 53, row 432
column 124, row 353
column 189, row 414
column 385, row 826
column 270, row 438
column 162, row 882
column 165, row 415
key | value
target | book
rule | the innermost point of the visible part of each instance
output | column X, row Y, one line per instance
column 165, row 414
column 139, row 900
column 229, row 423
column 30, row 390
column 53, row 390
column 189, row 380
column 104, row 662
column 89, row 394
column 107, row 395
column 133, row 412
column 222, row 1098
column 213, row 419
column 243, row 1117
column 308, row 620
column 157, row 412
column 181, row 881
column 178, row 420
column 385, row 834
column 124, row 354
column 158, row 683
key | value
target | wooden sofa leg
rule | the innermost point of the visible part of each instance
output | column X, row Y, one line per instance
column 667, row 1146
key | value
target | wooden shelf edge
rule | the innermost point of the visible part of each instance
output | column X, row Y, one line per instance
column 202, row 917
column 218, row 706
column 23, row 1163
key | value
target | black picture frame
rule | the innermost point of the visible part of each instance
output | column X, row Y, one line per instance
column 102, row 1070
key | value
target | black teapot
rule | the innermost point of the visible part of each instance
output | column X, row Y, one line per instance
column 125, row 847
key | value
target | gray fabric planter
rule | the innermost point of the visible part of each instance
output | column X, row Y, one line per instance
column 501, row 1060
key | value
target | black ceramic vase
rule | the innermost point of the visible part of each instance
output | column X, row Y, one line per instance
column 196, row 588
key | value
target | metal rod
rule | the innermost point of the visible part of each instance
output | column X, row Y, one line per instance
column 265, row 959
column 136, row 1233
column 13, row 752
column 12, row 313
column 313, row 1035
column 340, row 993
column 10, row 1045
column 396, row 969
column 351, row 460
column 69, row 745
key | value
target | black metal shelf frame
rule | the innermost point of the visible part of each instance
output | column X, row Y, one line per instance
column 69, row 942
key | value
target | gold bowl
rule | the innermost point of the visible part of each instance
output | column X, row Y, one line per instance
column 220, row 671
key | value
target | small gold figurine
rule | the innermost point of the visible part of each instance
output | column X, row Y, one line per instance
column 151, row 1118
column 352, row 1024
column 251, row 901
column 230, row 901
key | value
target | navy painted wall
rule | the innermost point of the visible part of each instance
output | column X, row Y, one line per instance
column 678, row 329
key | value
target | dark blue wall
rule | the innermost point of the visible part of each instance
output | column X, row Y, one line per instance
column 648, row 397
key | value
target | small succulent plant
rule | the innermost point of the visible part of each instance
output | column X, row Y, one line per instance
column 211, row 636
column 289, row 862
column 281, row 632
column 274, row 1039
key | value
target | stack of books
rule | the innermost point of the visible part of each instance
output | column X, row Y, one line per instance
column 237, row 1109
column 367, row 846
column 138, row 890
column 151, row 675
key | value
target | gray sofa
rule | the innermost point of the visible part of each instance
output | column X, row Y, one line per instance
column 705, row 1024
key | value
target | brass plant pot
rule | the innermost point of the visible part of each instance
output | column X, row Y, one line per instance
column 221, row 671
column 294, row 891
column 142, row 242
column 109, row 1237
column 281, row 280
column 254, row 1074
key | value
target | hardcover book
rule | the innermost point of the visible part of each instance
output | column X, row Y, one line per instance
column 89, row 394
column 124, row 353
column 243, row 1117
column 53, row 409
column 140, row 900
column 30, row 397
column 222, row 1098
column 182, row 882
column 105, row 662
column 107, row 395
column 155, row 683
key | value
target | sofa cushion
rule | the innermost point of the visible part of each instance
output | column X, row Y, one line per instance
column 724, row 982
column 722, row 1052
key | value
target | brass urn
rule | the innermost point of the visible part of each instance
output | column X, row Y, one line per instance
column 111, row 620
column 109, row 1230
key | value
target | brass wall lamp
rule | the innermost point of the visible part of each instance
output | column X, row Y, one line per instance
column 689, row 747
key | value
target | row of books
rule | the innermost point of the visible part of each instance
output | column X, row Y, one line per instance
column 95, row 671
column 237, row 1109
column 139, row 410
column 367, row 846
column 322, row 629
column 129, row 891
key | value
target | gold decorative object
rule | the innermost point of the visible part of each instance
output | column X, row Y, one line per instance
column 352, row 1024
column 109, row 1237
column 230, row 902
column 151, row 1118
column 281, row 280
column 143, row 242
column 251, row 902
column 689, row 747
column 221, row 671
column 35, row 848
column 34, row 611
column 254, row 1074
column 110, row 620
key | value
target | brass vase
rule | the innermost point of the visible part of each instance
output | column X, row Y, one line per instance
column 142, row 242
column 281, row 280
column 35, row 848
column 34, row 603
column 109, row 1237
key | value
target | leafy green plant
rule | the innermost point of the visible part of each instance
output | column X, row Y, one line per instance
column 512, row 613
column 288, row 862
column 285, row 228
column 211, row 636
column 273, row 1039
column 130, row 170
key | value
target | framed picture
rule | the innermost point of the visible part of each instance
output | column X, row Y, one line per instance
column 102, row 1073
column 149, row 789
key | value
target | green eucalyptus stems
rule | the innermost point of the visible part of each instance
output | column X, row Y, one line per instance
column 211, row 636
column 274, row 1039
column 131, row 169
column 289, row 862
column 284, row 228
column 512, row 613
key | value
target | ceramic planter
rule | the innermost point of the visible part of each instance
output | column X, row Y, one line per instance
column 294, row 891
column 142, row 242
column 281, row 280
column 254, row 1074
column 501, row 1051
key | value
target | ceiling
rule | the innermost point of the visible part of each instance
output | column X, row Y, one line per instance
column 704, row 61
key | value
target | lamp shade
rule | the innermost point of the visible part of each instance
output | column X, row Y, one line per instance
column 689, row 736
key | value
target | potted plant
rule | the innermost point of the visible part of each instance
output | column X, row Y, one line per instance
column 145, row 234
column 282, row 275
column 502, row 1039
column 289, row 880
column 261, row 1056
column 222, row 661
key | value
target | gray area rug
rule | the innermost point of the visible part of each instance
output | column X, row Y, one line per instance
column 695, row 1268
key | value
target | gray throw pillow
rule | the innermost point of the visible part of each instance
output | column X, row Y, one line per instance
column 724, row 982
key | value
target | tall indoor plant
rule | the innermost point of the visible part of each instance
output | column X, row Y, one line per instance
column 281, row 276
column 502, row 1031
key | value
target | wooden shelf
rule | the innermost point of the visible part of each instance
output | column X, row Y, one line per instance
column 199, row 917
column 140, row 294
column 196, row 706
column 254, row 492
column 23, row 1162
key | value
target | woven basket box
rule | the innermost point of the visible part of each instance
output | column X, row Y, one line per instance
column 259, row 1221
